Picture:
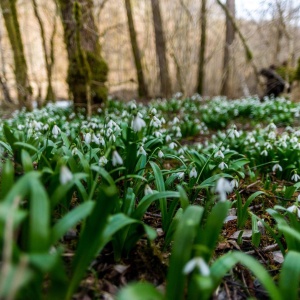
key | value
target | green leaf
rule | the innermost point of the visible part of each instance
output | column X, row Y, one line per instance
column 181, row 253
column 26, row 146
column 211, row 181
column 139, row 291
column 7, row 179
column 290, row 276
column 26, row 161
column 39, row 218
column 71, row 219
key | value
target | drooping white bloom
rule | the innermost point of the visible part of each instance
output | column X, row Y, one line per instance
column 193, row 173
column 223, row 165
column 180, row 175
column 88, row 138
column 175, row 121
column 141, row 151
column 199, row 263
column 56, row 130
column 277, row 167
column 219, row 153
column 168, row 138
column 160, row 154
column 223, row 188
column 137, row 123
column 65, row 175
column 158, row 134
column 234, row 183
column 95, row 139
column 295, row 177
column 264, row 153
column 103, row 161
column 74, row 151
column 116, row 158
column 153, row 111
column 21, row 127
column 294, row 209
column 172, row 145
column 271, row 126
column 155, row 122
column 148, row 190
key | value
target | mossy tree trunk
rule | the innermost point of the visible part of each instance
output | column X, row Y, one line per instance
column 142, row 87
column 87, row 73
column 24, row 89
column 48, row 53
column 161, row 51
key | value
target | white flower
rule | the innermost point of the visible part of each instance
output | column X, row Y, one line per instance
column 199, row 263
column 157, row 134
column 88, row 138
column 155, row 122
column 141, row 151
column 193, row 173
column 74, row 151
column 160, row 154
column 219, row 154
column 65, row 175
column 223, row 188
column 180, row 175
column 277, row 167
column 103, row 161
column 95, row 139
column 55, row 130
column 168, row 138
column 294, row 209
column 264, row 152
column 138, row 123
column 175, row 121
column 223, row 165
column 116, row 158
column 148, row 190
column 271, row 126
column 234, row 183
column 295, row 177
column 172, row 145
column 153, row 111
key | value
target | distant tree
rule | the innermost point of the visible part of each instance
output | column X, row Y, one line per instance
column 87, row 72
column 201, row 65
column 24, row 90
column 48, row 53
column 229, row 39
column 142, row 87
column 161, row 52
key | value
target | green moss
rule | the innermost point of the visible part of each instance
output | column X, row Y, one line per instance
column 286, row 72
column 297, row 72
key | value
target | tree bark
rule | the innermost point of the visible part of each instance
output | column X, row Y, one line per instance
column 142, row 87
column 24, row 89
column 160, row 44
column 49, row 59
column 87, row 72
column 201, row 66
column 230, row 34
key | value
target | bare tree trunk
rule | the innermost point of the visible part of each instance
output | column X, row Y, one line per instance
column 142, row 87
column 230, row 34
column 87, row 73
column 161, row 53
column 201, row 66
column 24, row 89
column 49, row 59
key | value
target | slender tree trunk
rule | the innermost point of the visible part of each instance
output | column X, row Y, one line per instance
column 161, row 52
column 201, row 66
column 230, row 34
column 9, row 12
column 87, row 73
column 142, row 87
column 50, row 96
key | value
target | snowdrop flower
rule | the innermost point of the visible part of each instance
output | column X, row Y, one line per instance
column 21, row 127
column 264, row 152
column 103, row 161
column 223, row 188
column 160, row 154
column 295, row 177
column 148, row 190
column 65, row 175
column 193, row 173
column 132, row 105
column 138, row 123
column 153, row 111
column 46, row 127
column 158, row 134
column 55, row 131
column 109, row 132
column 294, row 209
column 277, row 167
column 142, row 151
column 272, row 135
column 112, row 138
column 95, row 139
column 163, row 121
column 180, row 175
column 271, row 126
column 116, row 158
column 219, row 154
column 172, row 145
column 175, row 121
column 234, row 183
column 223, row 165
column 155, row 122
column 88, row 138
column 168, row 138
column 199, row 263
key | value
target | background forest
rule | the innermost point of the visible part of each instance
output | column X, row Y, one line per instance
column 270, row 35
